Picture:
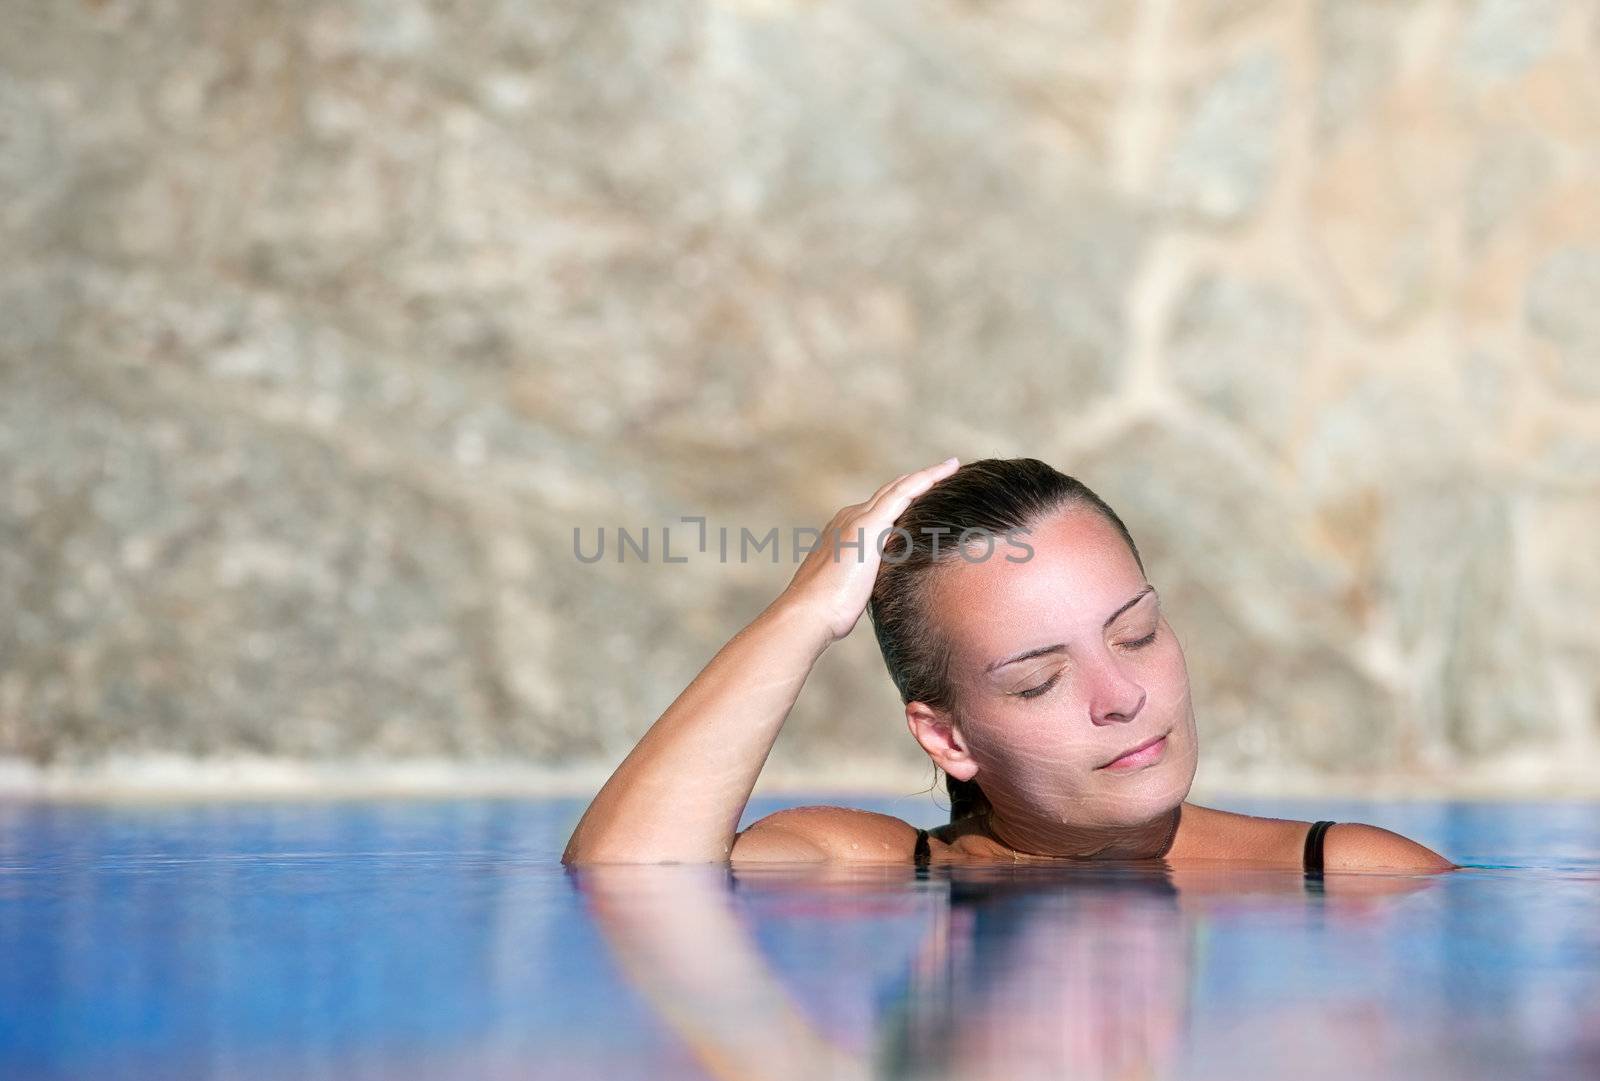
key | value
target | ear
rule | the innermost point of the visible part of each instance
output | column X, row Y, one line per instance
column 938, row 734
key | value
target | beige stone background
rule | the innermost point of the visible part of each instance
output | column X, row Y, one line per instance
column 323, row 326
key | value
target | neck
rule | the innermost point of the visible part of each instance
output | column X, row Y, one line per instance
column 1054, row 840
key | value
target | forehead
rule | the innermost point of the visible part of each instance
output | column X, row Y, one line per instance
column 1081, row 571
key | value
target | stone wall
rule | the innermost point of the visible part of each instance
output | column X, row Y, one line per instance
column 322, row 326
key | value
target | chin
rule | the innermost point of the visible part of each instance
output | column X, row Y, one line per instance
column 1134, row 799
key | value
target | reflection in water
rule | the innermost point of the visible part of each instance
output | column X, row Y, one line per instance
column 1079, row 971
column 420, row 940
column 1040, row 976
column 674, row 933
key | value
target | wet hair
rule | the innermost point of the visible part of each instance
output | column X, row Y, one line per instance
column 988, row 496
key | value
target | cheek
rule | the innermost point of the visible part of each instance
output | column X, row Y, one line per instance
column 1040, row 748
column 1169, row 640
column 1166, row 669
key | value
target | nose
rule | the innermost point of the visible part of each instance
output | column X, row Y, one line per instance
column 1115, row 698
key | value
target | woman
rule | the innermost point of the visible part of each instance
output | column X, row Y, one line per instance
column 1037, row 670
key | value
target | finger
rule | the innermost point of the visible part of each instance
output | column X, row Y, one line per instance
column 912, row 485
column 875, row 496
column 947, row 464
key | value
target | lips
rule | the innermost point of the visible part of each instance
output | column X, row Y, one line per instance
column 1138, row 755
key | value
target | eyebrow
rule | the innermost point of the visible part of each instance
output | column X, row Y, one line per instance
column 1042, row 650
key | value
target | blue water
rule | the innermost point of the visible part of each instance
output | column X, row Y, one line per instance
column 444, row 940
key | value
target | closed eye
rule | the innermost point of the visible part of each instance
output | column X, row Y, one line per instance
column 1035, row 692
column 1140, row 643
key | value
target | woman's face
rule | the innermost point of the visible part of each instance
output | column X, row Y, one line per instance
column 1061, row 664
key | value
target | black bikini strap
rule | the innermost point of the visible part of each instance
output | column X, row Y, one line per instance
column 921, row 853
column 1313, row 855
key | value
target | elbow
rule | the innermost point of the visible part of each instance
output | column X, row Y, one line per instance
column 574, row 853
column 588, row 854
column 585, row 855
column 642, row 841
column 582, row 851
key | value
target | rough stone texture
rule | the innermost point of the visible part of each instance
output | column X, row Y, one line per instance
column 1504, row 38
column 1561, row 309
column 1243, row 348
column 322, row 327
column 1507, row 170
column 1222, row 161
column 1357, row 49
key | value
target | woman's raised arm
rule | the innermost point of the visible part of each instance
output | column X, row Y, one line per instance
column 678, row 795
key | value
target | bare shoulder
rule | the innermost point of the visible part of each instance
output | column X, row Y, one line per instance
column 1346, row 846
column 1206, row 833
column 1356, row 846
column 820, row 833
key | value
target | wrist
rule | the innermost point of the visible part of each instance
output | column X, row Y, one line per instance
column 792, row 615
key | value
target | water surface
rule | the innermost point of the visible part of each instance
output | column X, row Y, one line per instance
column 417, row 939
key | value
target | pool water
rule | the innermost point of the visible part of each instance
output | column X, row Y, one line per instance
column 417, row 939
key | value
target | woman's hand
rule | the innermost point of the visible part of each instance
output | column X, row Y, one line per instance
column 678, row 795
column 834, row 583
